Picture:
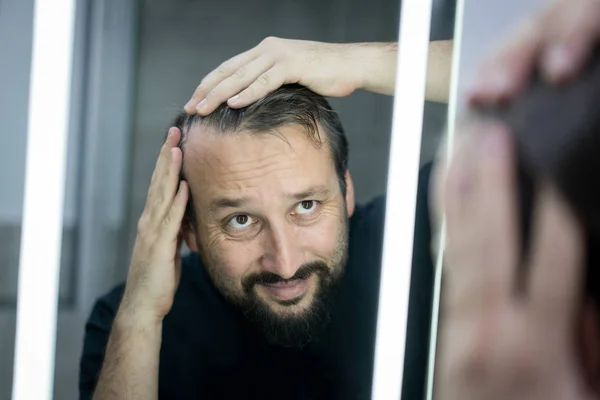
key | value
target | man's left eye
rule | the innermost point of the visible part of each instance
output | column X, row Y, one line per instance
column 306, row 207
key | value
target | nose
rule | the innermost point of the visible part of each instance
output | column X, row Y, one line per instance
column 282, row 255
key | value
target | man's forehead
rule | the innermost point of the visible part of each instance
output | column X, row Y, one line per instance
column 207, row 144
column 244, row 158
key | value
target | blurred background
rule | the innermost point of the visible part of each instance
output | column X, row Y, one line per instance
column 136, row 63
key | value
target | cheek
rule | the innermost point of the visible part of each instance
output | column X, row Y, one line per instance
column 232, row 258
column 322, row 238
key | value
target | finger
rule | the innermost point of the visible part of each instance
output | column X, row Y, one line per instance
column 557, row 261
column 170, row 181
column 506, row 73
column 456, row 194
column 163, row 161
column 215, row 77
column 458, row 189
column 574, row 28
column 172, row 221
column 485, row 244
column 499, row 215
column 162, row 196
column 235, row 83
column 262, row 86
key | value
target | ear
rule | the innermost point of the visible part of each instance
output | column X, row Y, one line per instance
column 189, row 235
column 350, row 200
column 589, row 342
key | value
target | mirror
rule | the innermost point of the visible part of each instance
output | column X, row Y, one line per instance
column 481, row 27
column 135, row 63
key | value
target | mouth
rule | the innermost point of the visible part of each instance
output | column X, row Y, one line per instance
column 288, row 290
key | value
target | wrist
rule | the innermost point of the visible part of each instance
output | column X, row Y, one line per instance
column 130, row 318
column 376, row 66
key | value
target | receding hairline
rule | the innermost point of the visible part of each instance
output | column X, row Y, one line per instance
column 318, row 141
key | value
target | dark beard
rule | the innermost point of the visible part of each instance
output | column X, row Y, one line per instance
column 292, row 331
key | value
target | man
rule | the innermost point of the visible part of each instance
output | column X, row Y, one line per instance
column 279, row 297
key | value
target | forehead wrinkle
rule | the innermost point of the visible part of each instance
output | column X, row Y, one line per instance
column 248, row 171
column 233, row 174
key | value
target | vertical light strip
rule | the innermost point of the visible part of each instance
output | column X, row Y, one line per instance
column 407, row 128
column 451, row 125
column 49, row 94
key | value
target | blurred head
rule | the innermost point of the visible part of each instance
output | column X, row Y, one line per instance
column 270, row 200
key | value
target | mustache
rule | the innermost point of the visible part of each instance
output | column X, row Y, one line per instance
column 267, row 278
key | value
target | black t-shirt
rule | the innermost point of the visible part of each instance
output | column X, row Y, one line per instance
column 210, row 352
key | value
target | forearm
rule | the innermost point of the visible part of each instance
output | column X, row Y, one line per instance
column 130, row 369
column 378, row 64
column 439, row 67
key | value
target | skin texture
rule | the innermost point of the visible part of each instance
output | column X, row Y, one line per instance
column 294, row 211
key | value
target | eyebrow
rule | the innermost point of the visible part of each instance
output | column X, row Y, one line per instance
column 228, row 202
column 316, row 191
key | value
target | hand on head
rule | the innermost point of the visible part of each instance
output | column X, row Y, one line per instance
column 155, row 267
column 249, row 76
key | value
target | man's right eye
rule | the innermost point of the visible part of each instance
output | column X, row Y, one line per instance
column 240, row 221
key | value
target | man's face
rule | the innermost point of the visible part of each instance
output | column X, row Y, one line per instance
column 271, row 226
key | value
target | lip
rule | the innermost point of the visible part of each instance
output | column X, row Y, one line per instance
column 287, row 290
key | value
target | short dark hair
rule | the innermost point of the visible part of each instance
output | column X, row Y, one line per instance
column 289, row 105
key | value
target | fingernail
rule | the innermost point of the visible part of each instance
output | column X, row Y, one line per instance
column 189, row 104
column 558, row 61
column 234, row 99
column 170, row 133
column 201, row 105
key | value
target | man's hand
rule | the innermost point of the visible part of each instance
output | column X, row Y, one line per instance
column 328, row 69
column 130, row 367
column 156, row 262
column 558, row 40
column 496, row 342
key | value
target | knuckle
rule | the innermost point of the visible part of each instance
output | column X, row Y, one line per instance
column 223, row 69
column 264, row 80
column 196, row 95
column 159, row 199
column 167, row 220
column 240, row 73
column 143, row 225
column 270, row 40
column 203, row 84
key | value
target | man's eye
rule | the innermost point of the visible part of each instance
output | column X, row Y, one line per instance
column 240, row 221
column 306, row 207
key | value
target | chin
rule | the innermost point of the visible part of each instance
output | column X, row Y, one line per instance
column 292, row 325
column 296, row 307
